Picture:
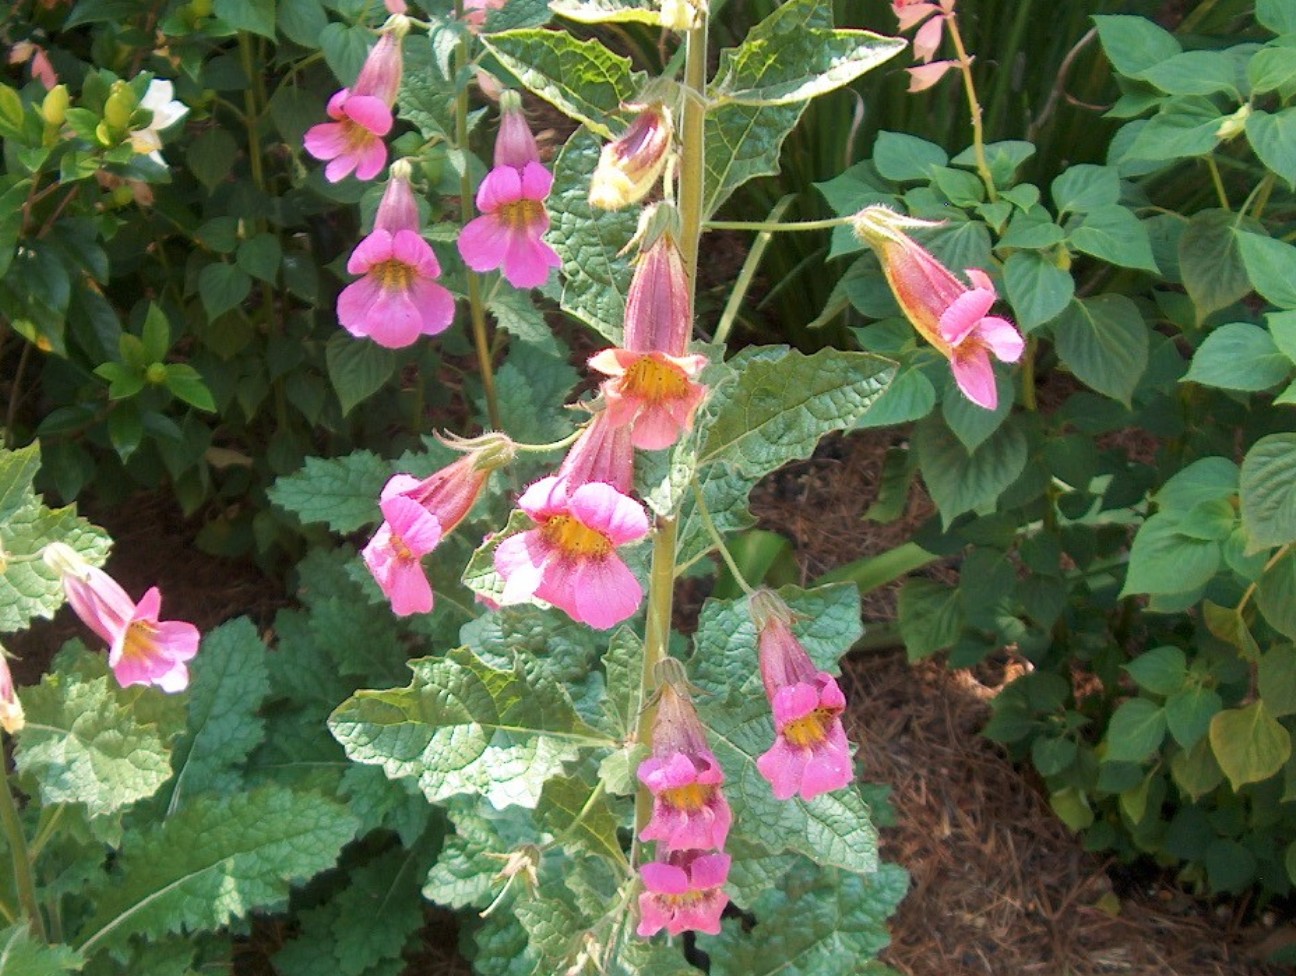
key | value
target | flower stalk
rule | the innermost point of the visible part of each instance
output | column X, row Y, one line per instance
column 24, row 880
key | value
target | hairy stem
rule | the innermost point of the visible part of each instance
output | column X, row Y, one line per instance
column 974, row 107
column 24, row 880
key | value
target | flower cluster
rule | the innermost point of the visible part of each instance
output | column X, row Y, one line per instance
column 684, row 886
column 926, row 42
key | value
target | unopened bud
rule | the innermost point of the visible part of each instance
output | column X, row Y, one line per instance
column 156, row 374
column 54, row 107
column 514, row 144
column 11, row 710
column 119, row 106
column 629, row 166
column 1233, row 125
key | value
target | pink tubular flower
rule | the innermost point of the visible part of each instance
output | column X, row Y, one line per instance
column 569, row 559
column 810, row 753
column 689, row 810
column 951, row 316
column 142, row 650
column 685, row 891
column 629, row 166
column 652, row 384
column 419, row 514
column 362, row 114
column 397, row 299
column 603, row 452
column 508, row 234
column 11, row 710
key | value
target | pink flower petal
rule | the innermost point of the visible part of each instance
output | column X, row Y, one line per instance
column 522, row 567
column 435, row 304
column 924, row 76
column 354, row 303
column 392, row 321
column 340, row 168
column 372, row 249
column 606, row 592
column 409, row 590
column 975, row 376
column 965, row 313
column 502, row 185
column 664, row 879
column 1002, row 338
column 372, row 158
column 527, row 261
column 928, row 39
column 536, row 181
column 370, row 112
column 326, row 140
column 416, row 527
column 483, row 242
column 604, row 509
column 544, row 498
column 179, row 638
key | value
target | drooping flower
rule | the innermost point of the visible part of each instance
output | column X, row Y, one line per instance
column 951, row 316
column 418, row 514
column 689, row 809
column 362, row 114
column 926, row 42
column 509, row 233
column 652, row 384
column 684, row 891
column 11, row 710
column 159, row 99
column 810, row 755
column 397, row 299
column 628, row 167
column 602, row 452
column 569, row 559
column 142, row 650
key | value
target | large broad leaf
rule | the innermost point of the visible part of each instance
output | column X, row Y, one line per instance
column 230, row 681
column 216, row 860
column 582, row 815
column 583, row 79
column 1239, row 356
column 1104, row 341
column 595, row 277
column 340, row 492
column 1210, row 259
column 467, row 868
column 1269, row 491
column 462, row 726
column 21, row 954
column 827, row 925
column 1271, row 265
column 1250, row 744
column 1165, row 561
column 962, row 481
column 607, row 11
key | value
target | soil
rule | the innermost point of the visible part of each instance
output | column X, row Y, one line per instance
column 999, row 886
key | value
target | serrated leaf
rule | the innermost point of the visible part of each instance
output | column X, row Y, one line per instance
column 461, row 726
column 581, row 815
column 340, row 492
column 595, row 277
column 1104, row 341
column 531, row 387
column 467, row 869
column 834, row 828
column 783, row 67
column 724, row 662
column 214, row 861
column 824, row 925
column 622, row 664
column 1249, row 743
column 783, row 401
column 1268, row 489
column 21, row 954
column 582, row 79
column 28, row 588
column 230, row 681
column 17, row 471
column 960, row 481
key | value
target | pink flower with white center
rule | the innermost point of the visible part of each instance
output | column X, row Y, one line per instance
column 397, row 299
column 142, row 650
column 652, row 385
column 569, row 559
column 684, row 892
column 602, row 452
column 951, row 316
column 689, row 809
column 362, row 114
column 810, row 755
column 394, row 555
column 509, row 233
column 418, row 514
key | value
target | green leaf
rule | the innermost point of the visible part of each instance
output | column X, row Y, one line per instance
column 11, row 113
column 1084, row 187
column 28, row 588
column 581, row 814
column 1278, row 15
column 1161, row 670
column 931, row 617
column 21, row 954
column 1205, row 480
column 962, row 481
column 1135, row 731
column 1276, row 678
column 607, row 11
column 466, row 870
column 784, row 401
column 230, row 681
column 216, row 860
column 1271, row 265
column 301, row 21
column 1249, row 743
column 1189, row 713
column 582, row 79
column 1195, row 73
column 905, row 158
column 1186, row 126
column 595, row 275
column 1114, row 234
column 1036, row 287
column 340, row 492
column 532, row 387
column 211, row 157
column 345, row 49
column 1134, row 44
column 461, row 726
column 357, row 369
column 815, row 924
column 1195, row 770
column 1163, row 561
column 11, row 219
column 724, row 662
column 910, row 396
column 1276, row 596
column 259, row 256
column 834, row 829
column 1104, row 341
column 1273, row 137
column 187, row 384
column 1227, row 624
column 17, row 471
column 1238, row 356
column 83, row 743
column 972, row 423
column 222, row 287
column 783, row 67
column 257, row 16
column 1268, row 488
column 1210, row 259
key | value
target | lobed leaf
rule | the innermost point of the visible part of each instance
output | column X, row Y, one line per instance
column 340, row 492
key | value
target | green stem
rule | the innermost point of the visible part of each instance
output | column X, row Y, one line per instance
column 24, row 880
column 718, row 539
column 1218, row 182
column 750, row 265
column 476, row 307
column 770, row 226
column 1250, row 590
column 872, row 572
column 693, row 155
column 974, row 106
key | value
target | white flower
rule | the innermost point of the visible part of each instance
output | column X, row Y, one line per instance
column 160, row 100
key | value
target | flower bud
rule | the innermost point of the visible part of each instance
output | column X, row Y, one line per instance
column 381, row 75
column 397, row 210
column 659, row 310
column 603, row 452
column 119, row 106
column 629, row 166
column 54, row 107
column 1233, row 125
column 514, row 145
column 11, row 710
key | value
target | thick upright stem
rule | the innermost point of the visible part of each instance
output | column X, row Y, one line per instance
column 476, row 307
column 693, row 149
column 974, row 107
column 24, row 880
